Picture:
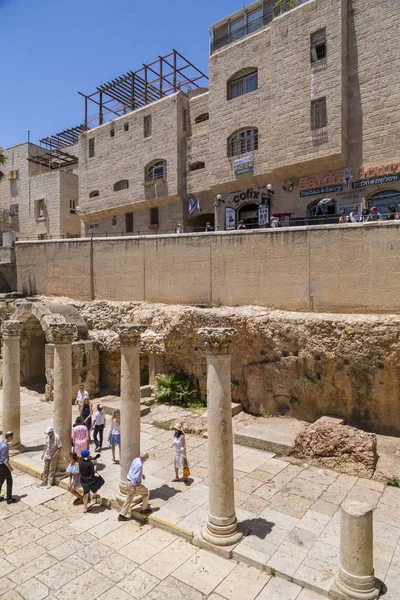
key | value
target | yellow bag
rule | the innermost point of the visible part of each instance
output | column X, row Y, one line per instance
column 186, row 470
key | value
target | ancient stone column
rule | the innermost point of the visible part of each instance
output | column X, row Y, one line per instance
column 356, row 578
column 61, row 335
column 11, row 381
column 129, row 336
column 221, row 525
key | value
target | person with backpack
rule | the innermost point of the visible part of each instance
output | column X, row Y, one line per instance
column 90, row 480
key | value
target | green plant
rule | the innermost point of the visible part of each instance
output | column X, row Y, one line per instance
column 305, row 383
column 3, row 159
column 273, row 572
column 283, row 5
column 234, row 385
column 263, row 413
column 393, row 481
column 178, row 390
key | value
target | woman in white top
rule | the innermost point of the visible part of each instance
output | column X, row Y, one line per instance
column 179, row 446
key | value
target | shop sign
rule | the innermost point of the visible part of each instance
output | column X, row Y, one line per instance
column 230, row 218
column 263, row 216
column 243, row 165
column 322, row 190
column 253, row 194
column 376, row 181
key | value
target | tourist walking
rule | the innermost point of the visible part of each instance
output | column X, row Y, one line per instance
column 50, row 453
column 5, row 467
column 99, row 422
column 80, row 396
column 80, row 436
column 90, row 480
column 87, row 412
column 114, row 437
column 179, row 446
column 135, row 490
column 74, row 482
column 242, row 225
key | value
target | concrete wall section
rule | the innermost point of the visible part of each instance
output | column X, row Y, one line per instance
column 340, row 268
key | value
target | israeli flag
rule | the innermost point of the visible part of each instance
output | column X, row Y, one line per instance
column 198, row 205
column 192, row 206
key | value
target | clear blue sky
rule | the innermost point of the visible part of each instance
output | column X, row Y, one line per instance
column 51, row 49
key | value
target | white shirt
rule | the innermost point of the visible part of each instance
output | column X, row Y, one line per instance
column 178, row 443
column 99, row 417
column 355, row 217
column 79, row 396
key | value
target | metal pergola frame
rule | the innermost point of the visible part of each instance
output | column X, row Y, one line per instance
column 68, row 137
column 166, row 75
column 54, row 159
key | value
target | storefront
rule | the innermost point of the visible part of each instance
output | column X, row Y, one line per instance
column 250, row 205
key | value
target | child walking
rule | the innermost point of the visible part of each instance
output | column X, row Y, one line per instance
column 74, row 483
column 114, row 437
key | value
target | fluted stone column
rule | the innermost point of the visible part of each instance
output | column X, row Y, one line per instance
column 61, row 335
column 356, row 577
column 221, row 525
column 129, row 336
column 11, row 381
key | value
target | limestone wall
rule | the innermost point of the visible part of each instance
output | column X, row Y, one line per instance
column 341, row 268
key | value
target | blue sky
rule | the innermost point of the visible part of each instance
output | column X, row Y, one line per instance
column 52, row 49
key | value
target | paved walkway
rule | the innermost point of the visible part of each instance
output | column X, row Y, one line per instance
column 51, row 551
column 289, row 513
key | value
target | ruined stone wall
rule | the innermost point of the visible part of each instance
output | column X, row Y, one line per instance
column 337, row 268
column 299, row 365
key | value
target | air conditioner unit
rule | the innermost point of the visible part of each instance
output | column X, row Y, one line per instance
column 13, row 174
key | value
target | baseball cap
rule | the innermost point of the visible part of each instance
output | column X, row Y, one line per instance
column 49, row 430
column 85, row 453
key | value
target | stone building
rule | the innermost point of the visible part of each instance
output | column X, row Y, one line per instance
column 40, row 192
column 301, row 99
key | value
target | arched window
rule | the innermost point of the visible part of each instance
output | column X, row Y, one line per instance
column 121, row 185
column 94, row 194
column 245, row 140
column 384, row 199
column 196, row 166
column 156, row 171
column 243, row 82
column 201, row 118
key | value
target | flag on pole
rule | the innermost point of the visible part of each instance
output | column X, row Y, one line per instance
column 192, row 206
column 198, row 204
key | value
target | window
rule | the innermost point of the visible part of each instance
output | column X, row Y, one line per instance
column 201, row 118
column 91, row 147
column 244, row 84
column 14, row 210
column 196, row 166
column 13, row 174
column 94, row 194
column 129, row 222
column 184, row 119
column 237, row 29
column 39, row 209
column 157, row 171
column 255, row 20
column 268, row 11
column 243, row 141
column 318, row 45
column 42, row 236
column 72, row 207
column 126, row 126
column 318, row 114
column 112, row 132
column 154, row 216
column 93, row 225
column 147, row 126
column 121, row 185
column 114, row 220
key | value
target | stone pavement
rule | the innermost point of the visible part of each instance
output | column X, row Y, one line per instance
column 50, row 551
column 289, row 512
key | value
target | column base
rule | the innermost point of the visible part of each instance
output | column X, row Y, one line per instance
column 120, row 496
column 353, row 587
column 16, row 449
column 221, row 535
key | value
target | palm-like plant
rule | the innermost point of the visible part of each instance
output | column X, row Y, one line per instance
column 3, row 159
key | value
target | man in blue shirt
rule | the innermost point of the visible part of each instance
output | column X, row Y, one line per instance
column 135, row 490
column 5, row 467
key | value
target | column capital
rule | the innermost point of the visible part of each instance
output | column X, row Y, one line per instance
column 216, row 340
column 10, row 329
column 60, row 333
column 129, row 334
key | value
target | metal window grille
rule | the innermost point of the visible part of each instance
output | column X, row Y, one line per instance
column 243, row 142
column 154, row 216
column 157, row 172
column 318, row 45
column 243, row 85
column 121, row 185
column 91, row 147
column 147, row 126
column 318, row 114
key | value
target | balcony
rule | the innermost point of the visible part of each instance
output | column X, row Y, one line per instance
column 250, row 22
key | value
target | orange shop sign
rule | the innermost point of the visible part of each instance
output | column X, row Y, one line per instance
column 347, row 175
